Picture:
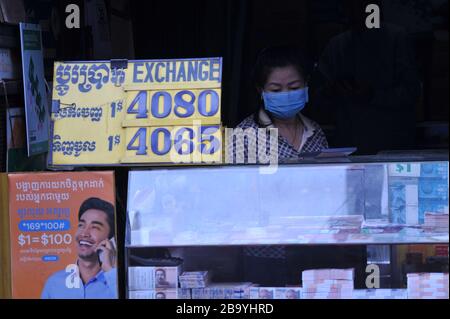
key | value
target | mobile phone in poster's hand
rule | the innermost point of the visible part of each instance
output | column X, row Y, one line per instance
column 100, row 252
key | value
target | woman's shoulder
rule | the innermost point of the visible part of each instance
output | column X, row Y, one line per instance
column 248, row 122
column 317, row 140
column 311, row 123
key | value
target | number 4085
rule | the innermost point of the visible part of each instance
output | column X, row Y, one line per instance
column 184, row 140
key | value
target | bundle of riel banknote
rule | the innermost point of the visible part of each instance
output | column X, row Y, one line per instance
column 159, row 293
column 379, row 294
column 328, row 284
column 436, row 222
column 427, row 286
column 223, row 291
column 194, row 279
column 275, row 293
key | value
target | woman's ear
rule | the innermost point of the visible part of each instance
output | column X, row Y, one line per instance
column 260, row 92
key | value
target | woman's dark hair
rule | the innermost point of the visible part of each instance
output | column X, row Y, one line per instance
column 279, row 56
column 104, row 206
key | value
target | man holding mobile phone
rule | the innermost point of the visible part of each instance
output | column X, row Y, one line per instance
column 95, row 273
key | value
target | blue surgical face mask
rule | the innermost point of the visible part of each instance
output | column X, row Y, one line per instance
column 285, row 105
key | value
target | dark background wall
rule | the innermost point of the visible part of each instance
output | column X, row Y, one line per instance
column 238, row 30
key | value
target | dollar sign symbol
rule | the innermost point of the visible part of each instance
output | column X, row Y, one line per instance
column 44, row 239
column 21, row 240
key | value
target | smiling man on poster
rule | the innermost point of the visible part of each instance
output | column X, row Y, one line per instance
column 94, row 276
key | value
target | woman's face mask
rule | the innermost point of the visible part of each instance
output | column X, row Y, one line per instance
column 285, row 105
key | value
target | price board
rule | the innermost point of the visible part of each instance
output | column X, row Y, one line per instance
column 143, row 111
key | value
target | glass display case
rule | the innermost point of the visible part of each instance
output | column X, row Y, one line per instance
column 378, row 201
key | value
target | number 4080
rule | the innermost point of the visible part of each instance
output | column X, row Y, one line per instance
column 185, row 103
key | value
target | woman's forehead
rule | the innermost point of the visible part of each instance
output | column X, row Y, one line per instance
column 284, row 75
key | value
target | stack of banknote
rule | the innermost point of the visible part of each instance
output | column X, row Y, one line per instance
column 436, row 222
column 379, row 294
column 223, row 291
column 328, row 284
column 427, row 286
column 194, row 279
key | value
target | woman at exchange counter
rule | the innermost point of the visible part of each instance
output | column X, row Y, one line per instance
column 281, row 79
